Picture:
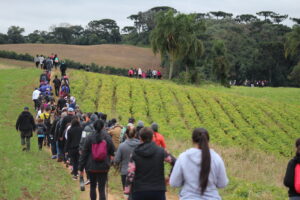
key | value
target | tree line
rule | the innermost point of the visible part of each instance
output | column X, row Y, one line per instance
column 213, row 46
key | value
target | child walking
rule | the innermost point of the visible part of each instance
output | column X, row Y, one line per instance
column 41, row 132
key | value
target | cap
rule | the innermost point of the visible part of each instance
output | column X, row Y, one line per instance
column 70, row 110
column 26, row 108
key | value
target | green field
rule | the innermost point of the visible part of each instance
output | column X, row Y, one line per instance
column 252, row 128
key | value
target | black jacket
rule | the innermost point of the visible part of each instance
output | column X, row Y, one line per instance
column 53, row 128
column 25, row 122
column 86, row 159
column 74, row 136
column 66, row 120
column 61, row 103
column 289, row 176
column 149, row 161
column 56, row 82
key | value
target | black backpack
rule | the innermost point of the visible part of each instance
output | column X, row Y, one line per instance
column 47, row 122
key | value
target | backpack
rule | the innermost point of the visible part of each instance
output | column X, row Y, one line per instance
column 297, row 178
column 99, row 151
column 40, row 130
column 47, row 122
column 65, row 89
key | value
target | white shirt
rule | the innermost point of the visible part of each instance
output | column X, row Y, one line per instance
column 140, row 71
column 35, row 94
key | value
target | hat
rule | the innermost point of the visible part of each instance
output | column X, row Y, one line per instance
column 140, row 123
column 26, row 108
column 93, row 117
column 154, row 127
column 70, row 110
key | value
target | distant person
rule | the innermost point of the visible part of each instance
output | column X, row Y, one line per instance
column 26, row 125
column 290, row 175
column 159, row 74
column 56, row 61
column 140, row 72
column 154, row 73
column 157, row 137
column 35, row 98
column 96, row 157
column 124, row 152
column 36, row 61
column 63, row 68
column 41, row 58
column 200, row 171
column 146, row 171
column 49, row 64
column 57, row 84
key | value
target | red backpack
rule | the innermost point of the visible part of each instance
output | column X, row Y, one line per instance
column 297, row 178
column 99, row 151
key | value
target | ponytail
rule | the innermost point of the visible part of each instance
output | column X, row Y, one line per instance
column 201, row 137
column 297, row 147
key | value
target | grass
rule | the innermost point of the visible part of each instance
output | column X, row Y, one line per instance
column 25, row 175
column 119, row 56
column 281, row 94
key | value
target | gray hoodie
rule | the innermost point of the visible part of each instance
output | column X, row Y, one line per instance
column 124, row 152
column 186, row 175
column 88, row 130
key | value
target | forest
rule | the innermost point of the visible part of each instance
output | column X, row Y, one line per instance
column 215, row 46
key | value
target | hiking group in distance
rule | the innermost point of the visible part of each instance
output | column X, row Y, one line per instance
column 88, row 142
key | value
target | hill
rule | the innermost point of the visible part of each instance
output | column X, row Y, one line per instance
column 119, row 56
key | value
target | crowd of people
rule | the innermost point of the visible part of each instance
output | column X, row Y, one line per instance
column 90, row 143
column 139, row 73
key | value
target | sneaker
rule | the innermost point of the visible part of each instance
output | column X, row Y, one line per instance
column 87, row 182
column 54, row 157
column 75, row 178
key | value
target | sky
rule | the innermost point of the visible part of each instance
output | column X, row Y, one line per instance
column 41, row 14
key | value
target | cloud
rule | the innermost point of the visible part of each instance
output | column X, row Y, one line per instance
column 34, row 14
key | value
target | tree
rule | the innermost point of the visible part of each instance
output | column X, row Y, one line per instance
column 247, row 18
column 296, row 20
column 3, row 38
column 221, row 67
column 279, row 18
column 222, row 14
column 266, row 14
column 128, row 29
column 14, row 34
column 295, row 75
column 292, row 43
column 173, row 36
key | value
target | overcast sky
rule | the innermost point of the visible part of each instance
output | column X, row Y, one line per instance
column 37, row 14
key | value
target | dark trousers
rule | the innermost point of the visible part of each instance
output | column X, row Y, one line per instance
column 37, row 64
column 149, row 195
column 61, row 145
column 74, row 155
column 101, row 179
column 36, row 104
column 40, row 142
column 25, row 140
column 123, row 179
column 57, row 91
column 53, row 146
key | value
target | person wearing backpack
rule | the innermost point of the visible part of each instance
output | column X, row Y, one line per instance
column 63, row 68
column 292, row 174
column 96, row 158
column 124, row 152
column 41, row 132
column 199, row 171
column 57, row 84
column 47, row 121
column 115, row 132
column 36, row 61
column 35, row 98
column 72, row 145
column 157, row 137
column 146, row 171
column 25, row 124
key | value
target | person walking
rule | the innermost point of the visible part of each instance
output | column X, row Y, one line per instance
column 35, row 98
column 41, row 132
column 96, row 157
column 57, row 84
column 146, row 176
column 72, row 145
column 36, row 61
column 124, row 152
column 157, row 137
column 63, row 68
column 25, row 124
column 200, row 171
column 290, row 175
column 115, row 132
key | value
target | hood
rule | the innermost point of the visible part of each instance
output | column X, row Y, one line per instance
column 140, row 123
column 146, row 149
column 194, row 155
column 25, row 113
column 297, row 159
column 132, row 142
column 93, row 117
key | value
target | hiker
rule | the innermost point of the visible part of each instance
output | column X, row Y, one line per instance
column 72, row 145
column 57, row 84
column 96, row 157
column 25, row 124
column 290, row 178
column 41, row 58
column 124, row 152
column 35, row 98
column 56, row 61
column 43, row 78
column 115, row 132
column 36, row 61
column 159, row 74
column 49, row 64
column 131, row 121
column 200, row 171
column 65, row 90
column 139, row 126
column 130, row 72
column 63, row 68
column 88, row 130
column 53, row 134
column 146, row 176
column 45, row 116
column 41, row 132
column 61, row 103
column 140, row 72
column 154, row 74
column 157, row 137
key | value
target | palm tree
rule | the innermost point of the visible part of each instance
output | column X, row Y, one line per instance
column 175, row 35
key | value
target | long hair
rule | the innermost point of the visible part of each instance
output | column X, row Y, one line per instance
column 201, row 137
column 297, row 144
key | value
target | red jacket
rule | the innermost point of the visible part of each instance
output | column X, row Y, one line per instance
column 159, row 140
